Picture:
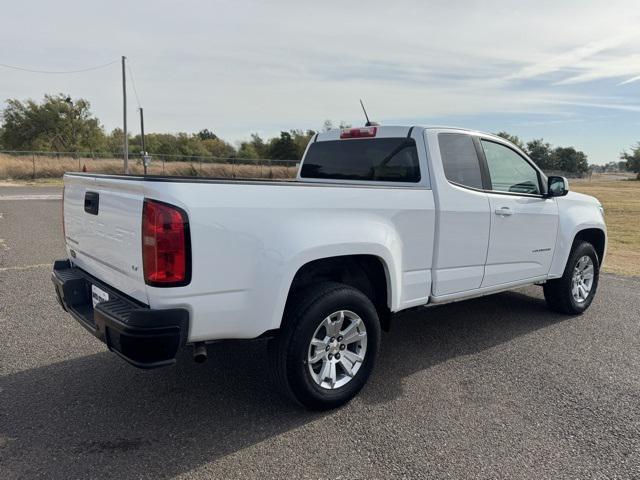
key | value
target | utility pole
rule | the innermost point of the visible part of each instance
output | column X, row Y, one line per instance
column 144, row 148
column 124, row 116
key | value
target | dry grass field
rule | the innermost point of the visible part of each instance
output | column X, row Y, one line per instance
column 38, row 167
column 621, row 201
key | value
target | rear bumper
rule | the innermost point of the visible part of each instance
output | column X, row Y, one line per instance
column 144, row 337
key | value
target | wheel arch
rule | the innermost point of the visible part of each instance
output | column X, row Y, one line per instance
column 370, row 273
column 595, row 234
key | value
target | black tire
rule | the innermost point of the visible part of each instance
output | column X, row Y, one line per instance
column 558, row 292
column 288, row 352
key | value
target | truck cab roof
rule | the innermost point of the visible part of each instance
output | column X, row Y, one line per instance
column 390, row 131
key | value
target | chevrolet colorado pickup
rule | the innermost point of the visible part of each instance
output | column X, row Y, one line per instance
column 378, row 220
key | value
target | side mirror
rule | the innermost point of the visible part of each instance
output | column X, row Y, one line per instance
column 557, row 186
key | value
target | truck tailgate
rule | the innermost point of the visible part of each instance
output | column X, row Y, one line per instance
column 102, row 220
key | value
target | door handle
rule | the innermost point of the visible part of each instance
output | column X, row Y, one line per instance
column 504, row 211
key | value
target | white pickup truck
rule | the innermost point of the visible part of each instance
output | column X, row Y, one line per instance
column 379, row 220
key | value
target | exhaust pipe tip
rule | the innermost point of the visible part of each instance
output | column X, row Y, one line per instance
column 200, row 353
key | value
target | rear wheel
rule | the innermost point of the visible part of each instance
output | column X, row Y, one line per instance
column 328, row 346
column 574, row 291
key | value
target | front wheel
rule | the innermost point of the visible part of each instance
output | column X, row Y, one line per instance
column 328, row 346
column 574, row 291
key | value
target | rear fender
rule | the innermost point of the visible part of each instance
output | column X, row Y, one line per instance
column 383, row 252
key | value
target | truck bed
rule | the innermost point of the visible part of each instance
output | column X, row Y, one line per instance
column 248, row 239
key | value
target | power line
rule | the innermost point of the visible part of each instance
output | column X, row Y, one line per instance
column 133, row 83
column 13, row 67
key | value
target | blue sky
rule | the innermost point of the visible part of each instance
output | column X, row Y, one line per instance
column 565, row 71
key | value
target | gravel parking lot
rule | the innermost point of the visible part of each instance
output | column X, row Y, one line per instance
column 497, row 387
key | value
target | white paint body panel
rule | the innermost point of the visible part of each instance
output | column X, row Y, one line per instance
column 248, row 242
column 437, row 241
column 108, row 245
column 463, row 222
column 576, row 212
column 522, row 243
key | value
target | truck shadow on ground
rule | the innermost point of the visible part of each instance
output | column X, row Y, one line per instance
column 97, row 417
column 422, row 338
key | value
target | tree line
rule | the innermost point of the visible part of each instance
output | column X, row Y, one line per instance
column 549, row 158
column 61, row 124
column 568, row 159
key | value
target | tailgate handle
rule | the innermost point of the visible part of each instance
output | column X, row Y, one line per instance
column 91, row 202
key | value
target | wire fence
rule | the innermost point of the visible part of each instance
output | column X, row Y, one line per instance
column 31, row 165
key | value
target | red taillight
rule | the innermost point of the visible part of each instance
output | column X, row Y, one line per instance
column 364, row 132
column 165, row 245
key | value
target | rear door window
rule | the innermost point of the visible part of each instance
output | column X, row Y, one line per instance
column 460, row 160
column 372, row 159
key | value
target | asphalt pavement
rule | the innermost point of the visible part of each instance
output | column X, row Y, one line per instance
column 497, row 387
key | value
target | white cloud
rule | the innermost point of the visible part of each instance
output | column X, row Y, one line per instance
column 243, row 66
column 576, row 59
column 630, row 80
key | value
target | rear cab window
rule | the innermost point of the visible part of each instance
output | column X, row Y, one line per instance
column 460, row 160
column 388, row 159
